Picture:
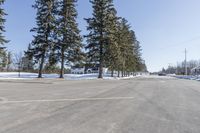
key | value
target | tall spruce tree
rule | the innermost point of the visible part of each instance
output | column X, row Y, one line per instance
column 3, row 60
column 123, row 38
column 130, row 57
column 98, row 32
column 138, row 56
column 2, row 30
column 68, row 35
column 130, row 51
column 43, row 40
column 137, row 53
column 29, row 55
column 2, row 21
column 112, row 54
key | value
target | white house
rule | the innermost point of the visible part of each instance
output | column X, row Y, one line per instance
column 82, row 70
column 196, row 70
column 78, row 70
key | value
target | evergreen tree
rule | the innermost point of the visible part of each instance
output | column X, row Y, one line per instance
column 112, row 54
column 130, row 50
column 69, row 44
column 123, row 39
column 43, row 39
column 130, row 59
column 2, row 21
column 2, row 30
column 138, row 56
column 53, row 58
column 28, row 59
column 98, row 32
column 137, row 63
column 3, row 59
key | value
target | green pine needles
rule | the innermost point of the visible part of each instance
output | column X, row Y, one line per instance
column 110, row 42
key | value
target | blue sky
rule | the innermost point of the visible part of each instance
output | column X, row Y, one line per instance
column 164, row 27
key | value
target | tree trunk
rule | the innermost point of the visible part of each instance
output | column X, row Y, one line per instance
column 41, row 66
column 100, row 70
column 101, row 61
column 112, row 73
column 123, row 72
column 19, row 71
column 118, row 74
column 62, row 64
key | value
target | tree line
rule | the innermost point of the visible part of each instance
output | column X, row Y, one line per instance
column 179, row 68
column 110, row 42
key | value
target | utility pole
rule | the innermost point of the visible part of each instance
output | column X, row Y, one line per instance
column 176, row 68
column 186, row 62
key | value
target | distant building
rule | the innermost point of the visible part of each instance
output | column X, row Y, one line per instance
column 195, row 71
column 76, row 70
column 83, row 70
column 140, row 73
column 95, row 69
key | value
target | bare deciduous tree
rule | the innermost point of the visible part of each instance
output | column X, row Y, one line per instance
column 17, row 62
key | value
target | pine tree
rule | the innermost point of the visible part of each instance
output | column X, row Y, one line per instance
column 137, row 53
column 98, row 32
column 112, row 54
column 130, row 51
column 43, row 39
column 69, row 44
column 130, row 58
column 3, row 59
column 123, row 38
column 53, row 58
column 2, row 30
column 2, row 21
column 136, row 63
column 28, row 56
column 138, row 56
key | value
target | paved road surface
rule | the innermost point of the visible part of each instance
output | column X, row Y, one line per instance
column 141, row 105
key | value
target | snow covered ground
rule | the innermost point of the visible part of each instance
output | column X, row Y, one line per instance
column 156, row 77
column 189, row 77
column 23, row 75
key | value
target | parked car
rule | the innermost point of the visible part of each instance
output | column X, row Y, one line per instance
column 162, row 74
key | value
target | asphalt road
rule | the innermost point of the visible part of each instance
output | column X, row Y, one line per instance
column 141, row 105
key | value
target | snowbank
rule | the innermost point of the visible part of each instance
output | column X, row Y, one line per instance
column 188, row 77
column 23, row 75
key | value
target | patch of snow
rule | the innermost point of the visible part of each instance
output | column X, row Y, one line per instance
column 24, row 75
column 188, row 77
column 156, row 77
column 14, row 75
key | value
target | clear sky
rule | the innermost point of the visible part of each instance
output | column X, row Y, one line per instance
column 164, row 27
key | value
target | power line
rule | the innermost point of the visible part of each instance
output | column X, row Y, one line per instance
column 183, row 42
